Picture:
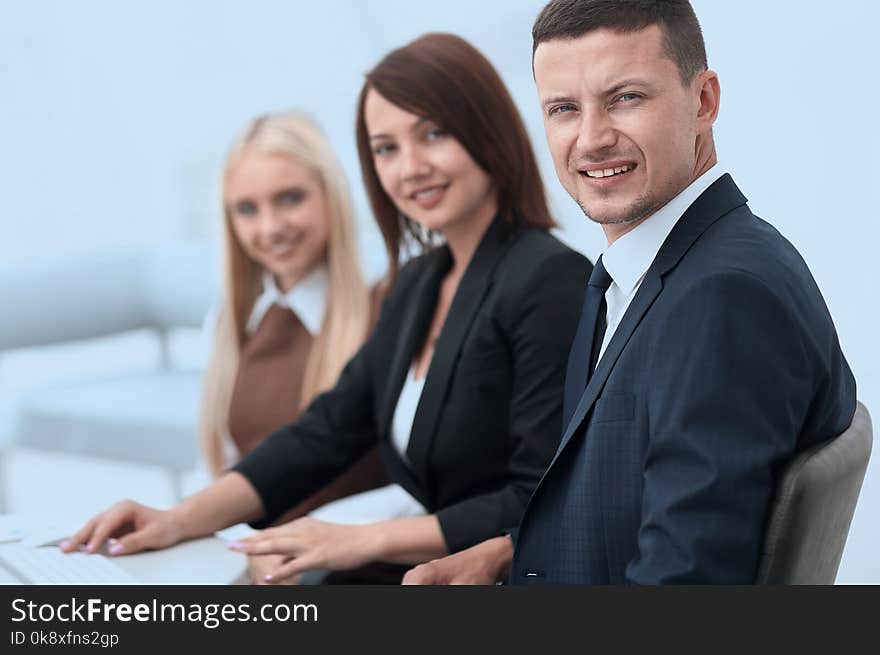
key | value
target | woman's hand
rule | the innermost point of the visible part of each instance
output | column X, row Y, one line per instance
column 307, row 543
column 259, row 566
column 228, row 500
column 136, row 527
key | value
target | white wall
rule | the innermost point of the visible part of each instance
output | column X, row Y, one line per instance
column 115, row 117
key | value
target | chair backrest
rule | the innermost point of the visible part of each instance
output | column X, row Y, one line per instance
column 813, row 507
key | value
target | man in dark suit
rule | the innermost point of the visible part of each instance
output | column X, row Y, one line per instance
column 705, row 356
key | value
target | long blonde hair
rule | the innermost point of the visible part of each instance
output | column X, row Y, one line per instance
column 344, row 325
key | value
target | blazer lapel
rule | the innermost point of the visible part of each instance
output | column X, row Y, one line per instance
column 472, row 289
column 720, row 198
column 644, row 298
column 413, row 327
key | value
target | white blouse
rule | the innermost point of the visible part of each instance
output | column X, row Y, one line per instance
column 308, row 300
column 405, row 412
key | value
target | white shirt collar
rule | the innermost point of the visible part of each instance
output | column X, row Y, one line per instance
column 308, row 300
column 629, row 257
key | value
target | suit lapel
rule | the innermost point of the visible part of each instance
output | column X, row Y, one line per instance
column 643, row 300
column 414, row 325
column 720, row 198
column 474, row 285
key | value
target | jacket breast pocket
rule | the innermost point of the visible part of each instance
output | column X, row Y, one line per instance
column 620, row 406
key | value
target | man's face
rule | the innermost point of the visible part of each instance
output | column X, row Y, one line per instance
column 621, row 127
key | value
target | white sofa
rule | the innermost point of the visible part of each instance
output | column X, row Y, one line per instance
column 147, row 417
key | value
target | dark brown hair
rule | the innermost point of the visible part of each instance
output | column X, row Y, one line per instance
column 683, row 38
column 445, row 79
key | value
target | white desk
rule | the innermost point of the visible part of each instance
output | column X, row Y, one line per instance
column 201, row 561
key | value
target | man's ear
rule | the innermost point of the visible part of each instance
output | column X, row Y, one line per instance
column 709, row 90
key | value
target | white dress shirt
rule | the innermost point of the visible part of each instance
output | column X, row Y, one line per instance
column 629, row 257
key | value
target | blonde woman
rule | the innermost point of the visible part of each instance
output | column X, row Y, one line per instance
column 295, row 305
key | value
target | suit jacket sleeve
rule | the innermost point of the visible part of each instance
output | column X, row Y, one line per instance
column 736, row 374
column 540, row 318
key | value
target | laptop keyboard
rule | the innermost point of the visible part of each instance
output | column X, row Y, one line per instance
column 48, row 565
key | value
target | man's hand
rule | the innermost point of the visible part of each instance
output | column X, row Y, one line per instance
column 483, row 564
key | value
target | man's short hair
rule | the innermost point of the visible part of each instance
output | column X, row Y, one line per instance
column 683, row 38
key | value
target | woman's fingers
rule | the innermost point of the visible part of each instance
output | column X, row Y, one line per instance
column 291, row 568
column 80, row 537
column 108, row 525
column 145, row 538
column 302, row 543
column 267, row 545
column 262, row 565
column 136, row 527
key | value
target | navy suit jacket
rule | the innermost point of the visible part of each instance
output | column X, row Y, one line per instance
column 724, row 365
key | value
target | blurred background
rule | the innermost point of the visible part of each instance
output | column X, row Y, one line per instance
column 114, row 122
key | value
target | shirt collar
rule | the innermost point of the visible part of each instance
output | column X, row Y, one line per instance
column 307, row 299
column 629, row 257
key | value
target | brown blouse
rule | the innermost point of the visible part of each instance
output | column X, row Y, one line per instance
column 267, row 394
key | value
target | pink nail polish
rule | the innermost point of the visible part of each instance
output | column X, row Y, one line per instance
column 64, row 544
column 236, row 545
column 267, row 578
column 115, row 549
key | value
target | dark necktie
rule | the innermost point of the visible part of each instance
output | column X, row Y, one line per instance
column 587, row 341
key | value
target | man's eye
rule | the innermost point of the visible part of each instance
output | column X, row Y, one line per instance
column 560, row 109
column 245, row 209
column 628, row 97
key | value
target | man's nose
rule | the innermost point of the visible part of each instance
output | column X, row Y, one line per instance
column 596, row 134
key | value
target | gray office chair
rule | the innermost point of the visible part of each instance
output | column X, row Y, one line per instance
column 814, row 505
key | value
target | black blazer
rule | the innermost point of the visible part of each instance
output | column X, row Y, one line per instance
column 489, row 417
column 724, row 365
